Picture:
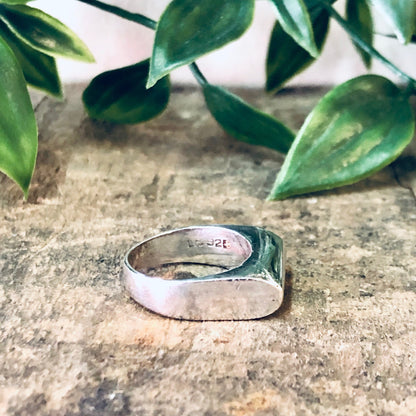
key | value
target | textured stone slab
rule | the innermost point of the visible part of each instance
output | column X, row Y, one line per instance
column 72, row 343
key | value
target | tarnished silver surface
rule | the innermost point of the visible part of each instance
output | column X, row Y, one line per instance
column 250, row 287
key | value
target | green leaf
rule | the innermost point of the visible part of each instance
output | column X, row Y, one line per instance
column 15, row 1
column 18, row 131
column 293, row 16
column 400, row 14
column 44, row 33
column 188, row 29
column 315, row 5
column 359, row 16
column 39, row 69
column 120, row 96
column 286, row 58
column 355, row 130
column 244, row 122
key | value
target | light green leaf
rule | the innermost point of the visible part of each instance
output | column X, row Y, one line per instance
column 244, row 122
column 120, row 96
column 294, row 18
column 188, row 29
column 400, row 14
column 355, row 130
column 359, row 16
column 44, row 33
column 39, row 69
column 18, row 131
column 286, row 58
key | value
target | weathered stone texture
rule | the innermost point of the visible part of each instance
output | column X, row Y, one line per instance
column 71, row 341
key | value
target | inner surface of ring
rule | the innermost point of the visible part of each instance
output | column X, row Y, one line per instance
column 216, row 246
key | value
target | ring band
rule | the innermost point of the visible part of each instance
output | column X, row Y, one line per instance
column 251, row 285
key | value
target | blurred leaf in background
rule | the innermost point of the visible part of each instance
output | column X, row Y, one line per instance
column 189, row 29
column 246, row 123
column 359, row 16
column 29, row 42
column 38, row 68
column 18, row 131
column 120, row 96
column 286, row 58
column 294, row 18
column 400, row 14
column 44, row 33
column 355, row 130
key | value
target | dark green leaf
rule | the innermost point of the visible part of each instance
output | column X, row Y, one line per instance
column 39, row 69
column 314, row 5
column 355, row 130
column 120, row 96
column 359, row 16
column 286, row 58
column 44, row 33
column 188, row 29
column 18, row 131
column 244, row 122
column 400, row 14
column 293, row 16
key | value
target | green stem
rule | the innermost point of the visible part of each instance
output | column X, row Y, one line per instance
column 145, row 21
column 199, row 76
column 134, row 17
column 365, row 46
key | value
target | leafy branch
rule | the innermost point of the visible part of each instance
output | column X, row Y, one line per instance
column 355, row 36
column 355, row 130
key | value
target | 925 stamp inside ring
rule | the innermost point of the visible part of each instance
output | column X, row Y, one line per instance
column 214, row 242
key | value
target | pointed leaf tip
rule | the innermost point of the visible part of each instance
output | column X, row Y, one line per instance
column 294, row 18
column 355, row 130
column 359, row 16
column 188, row 29
column 401, row 15
column 245, row 122
column 286, row 58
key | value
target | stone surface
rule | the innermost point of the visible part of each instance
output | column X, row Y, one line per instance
column 71, row 341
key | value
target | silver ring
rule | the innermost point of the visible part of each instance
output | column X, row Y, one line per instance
column 251, row 285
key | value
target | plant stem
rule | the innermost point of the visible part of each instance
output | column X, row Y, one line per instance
column 199, row 76
column 134, row 17
column 365, row 46
column 145, row 21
